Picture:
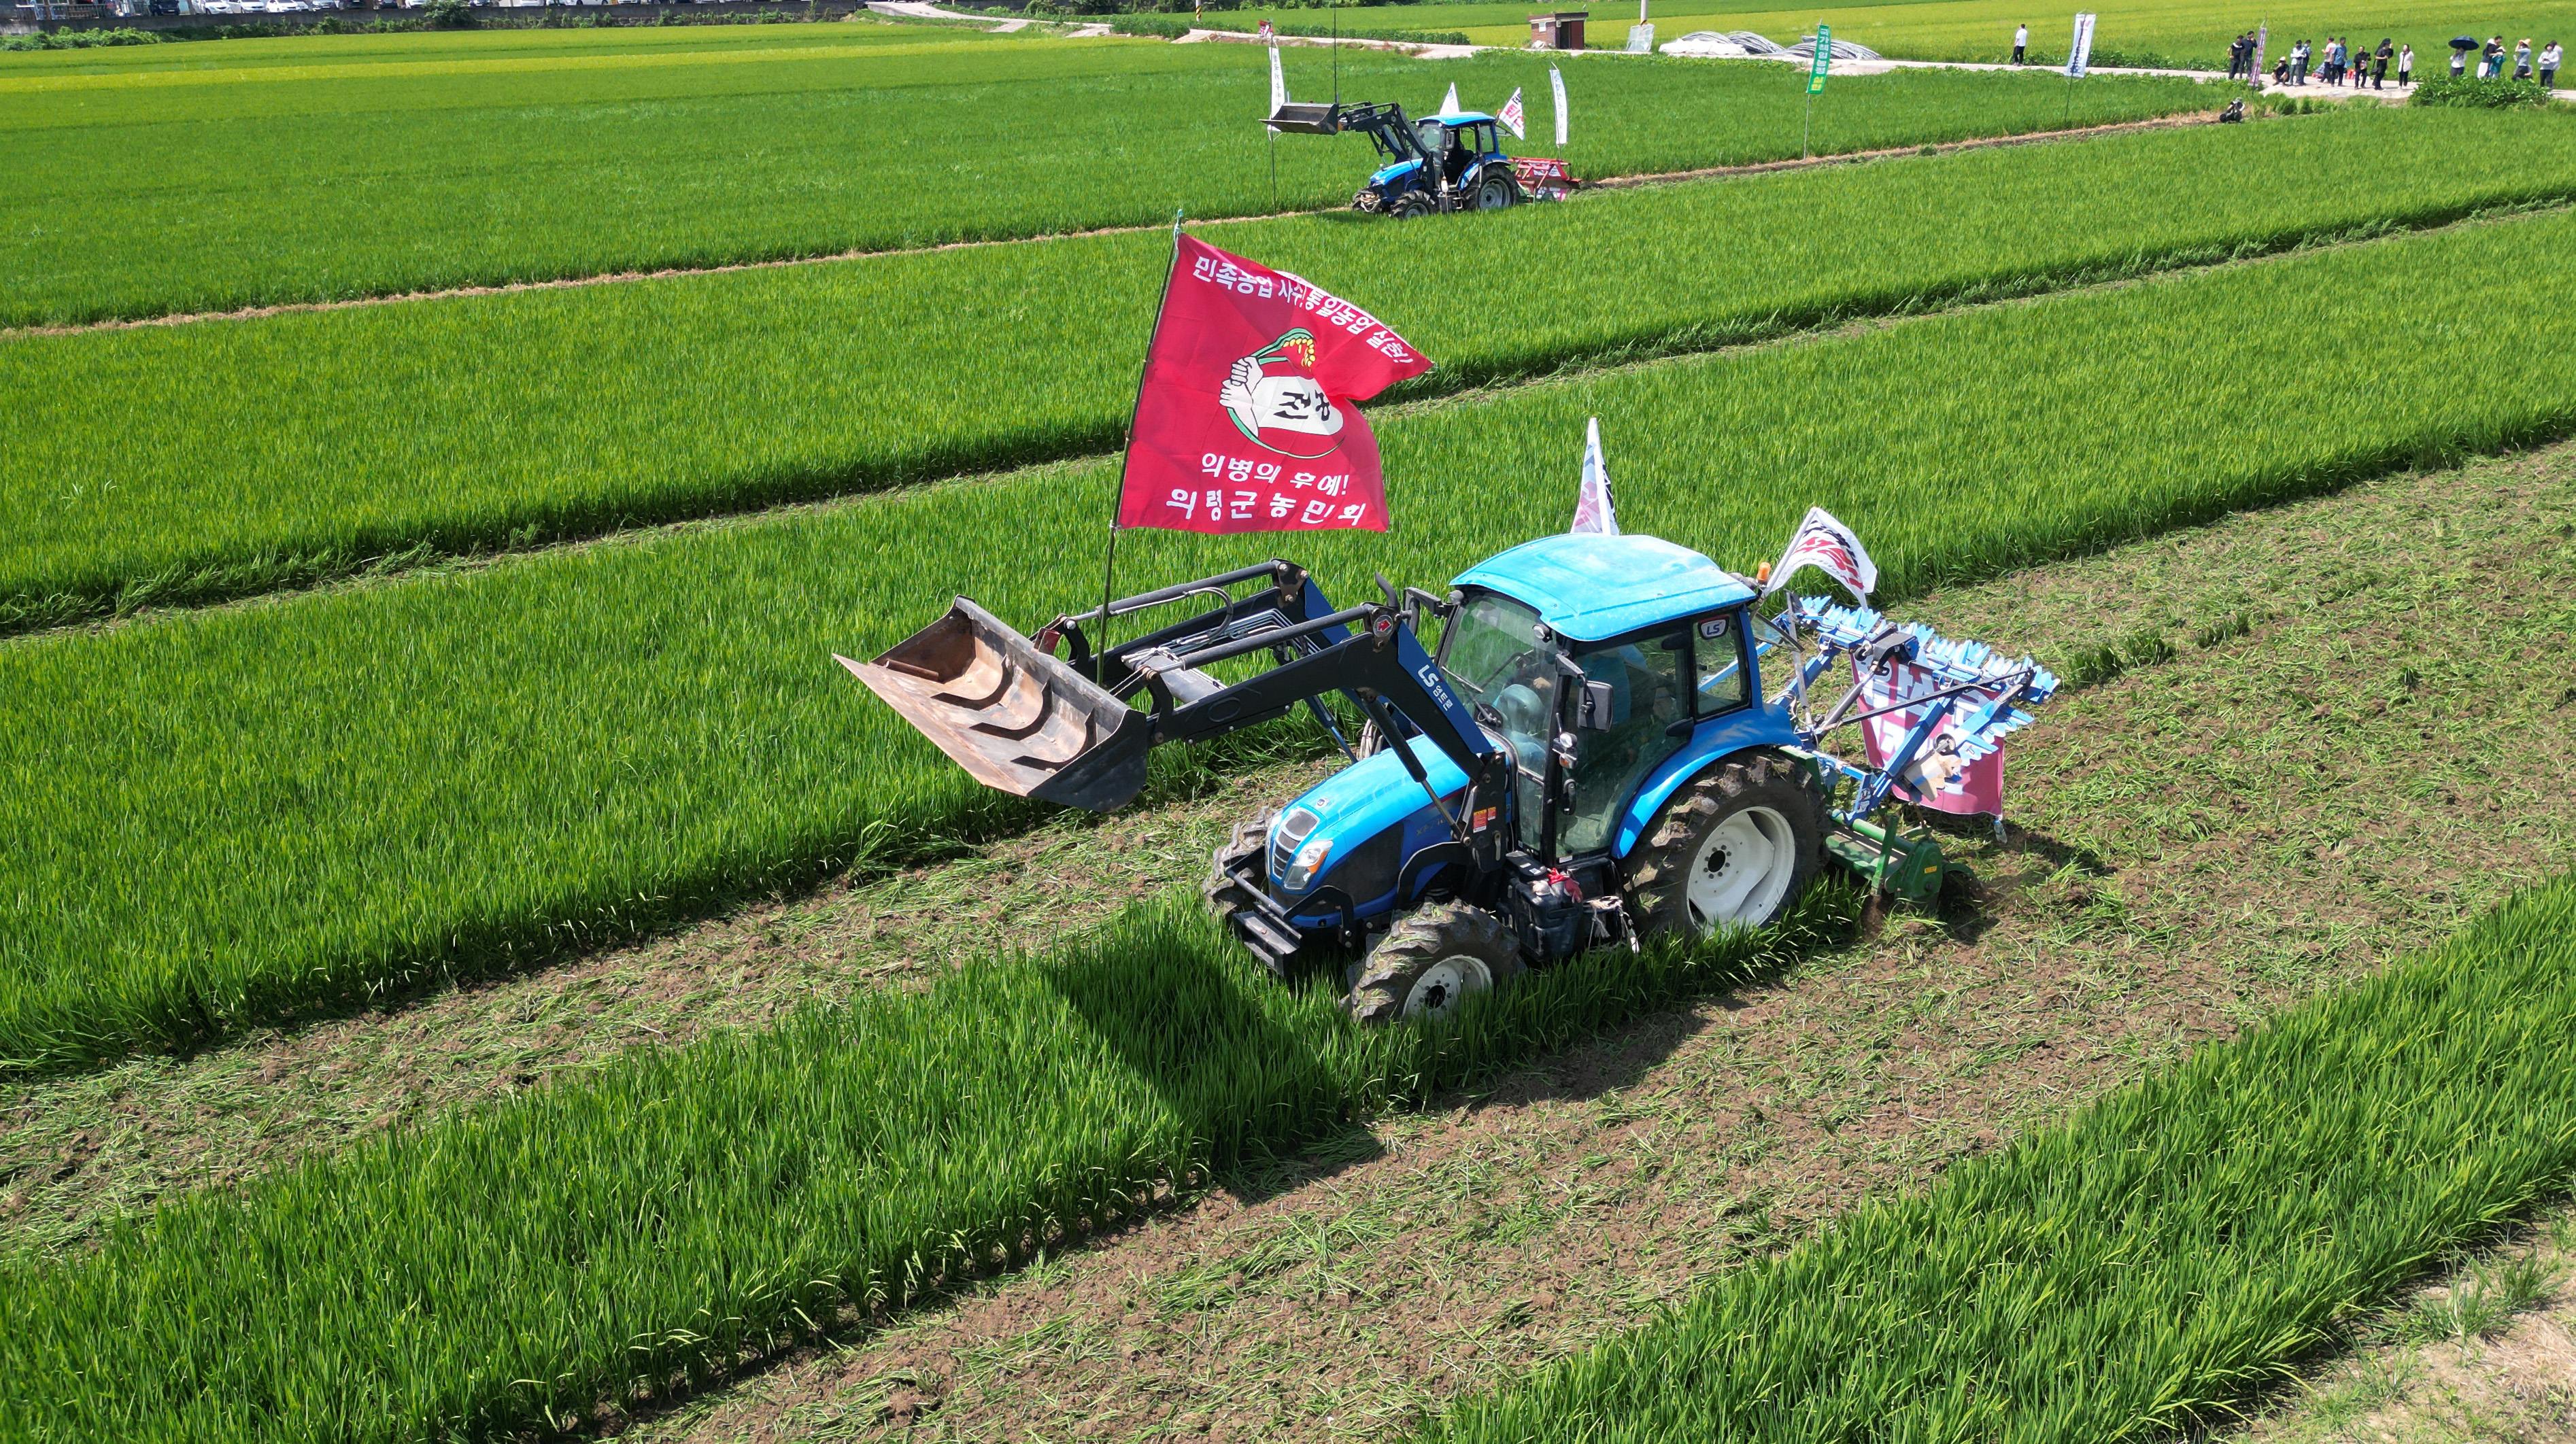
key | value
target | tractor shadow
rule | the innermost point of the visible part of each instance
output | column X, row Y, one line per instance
column 1221, row 1048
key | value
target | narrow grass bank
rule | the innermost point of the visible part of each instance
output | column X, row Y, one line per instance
column 2168, row 1253
column 647, row 1227
column 220, row 818
column 383, row 437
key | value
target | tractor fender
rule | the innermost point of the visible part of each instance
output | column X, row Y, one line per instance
column 1712, row 742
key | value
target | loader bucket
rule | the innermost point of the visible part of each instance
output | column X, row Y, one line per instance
column 1014, row 717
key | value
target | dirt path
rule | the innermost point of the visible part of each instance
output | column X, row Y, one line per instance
column 2339, row 734
column 616, row 278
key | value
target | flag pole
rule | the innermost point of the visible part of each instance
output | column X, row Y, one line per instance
column 1118, row 491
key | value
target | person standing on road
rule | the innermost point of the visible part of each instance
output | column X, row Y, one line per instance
column 2522, row 59
column 2459, row 63
column 2021, row 42
column 2236, row 58
column 2379, row 65
column 2405, row 66
column 2549, row 58
column 2491, row 59
column 2299, row 54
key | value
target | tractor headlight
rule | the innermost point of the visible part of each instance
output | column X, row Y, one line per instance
column 1309, row 861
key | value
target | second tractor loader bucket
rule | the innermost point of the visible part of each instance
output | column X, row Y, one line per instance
column 1014, row 717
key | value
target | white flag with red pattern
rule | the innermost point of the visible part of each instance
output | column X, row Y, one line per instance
column 1829, row 546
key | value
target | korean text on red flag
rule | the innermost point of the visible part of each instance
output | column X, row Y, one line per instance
column 1246, row 421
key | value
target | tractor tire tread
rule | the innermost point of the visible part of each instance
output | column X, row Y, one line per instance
column 1658, row 871
column 1423, row 938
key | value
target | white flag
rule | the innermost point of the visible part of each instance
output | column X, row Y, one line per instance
column 1510, row 115
column 1278, row 83
column 1557, row 81
column 2081, row 52
column 1829, row 546
column 1449, row 103
column 1593, row 510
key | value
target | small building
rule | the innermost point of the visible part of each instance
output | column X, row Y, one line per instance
column 1558, row 30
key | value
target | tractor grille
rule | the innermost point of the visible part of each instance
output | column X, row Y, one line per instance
column 1292, row 833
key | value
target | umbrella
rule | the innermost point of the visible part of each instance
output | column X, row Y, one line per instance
column 2464, row 42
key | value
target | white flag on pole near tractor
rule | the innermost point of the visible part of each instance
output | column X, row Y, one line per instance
column 1511, row 117
column 1278, row 84
column 1593, row 510
column 1556, row 82
column 1449, row 102
column 1829, row 546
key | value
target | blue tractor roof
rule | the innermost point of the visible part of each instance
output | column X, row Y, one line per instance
column 1464, row 117
column 1590, row 587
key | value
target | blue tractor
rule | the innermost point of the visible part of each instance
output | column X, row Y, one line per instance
column 1438, row 163
column 1584, row 755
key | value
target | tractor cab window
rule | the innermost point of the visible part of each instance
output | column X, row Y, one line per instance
column 1433, row 138
column 1721, row 666
column 1649, row 692
column 1507, row 677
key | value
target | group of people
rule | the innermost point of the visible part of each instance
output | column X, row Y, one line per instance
column 2341, row 64
column 2491, row 61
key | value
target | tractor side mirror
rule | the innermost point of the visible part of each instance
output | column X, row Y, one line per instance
column 1594, row 715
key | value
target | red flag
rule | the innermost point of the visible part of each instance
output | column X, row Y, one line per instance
column 1245, row 421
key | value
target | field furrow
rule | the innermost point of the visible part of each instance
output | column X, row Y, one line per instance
column 240, row 815
column 387, row 436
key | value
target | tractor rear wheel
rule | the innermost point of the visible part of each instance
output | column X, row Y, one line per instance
column 1497, row 191
column 1224, row 896
column 1411, row 204
column 1432, row 959
column 1733, row 848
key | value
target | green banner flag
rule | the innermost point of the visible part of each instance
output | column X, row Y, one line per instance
column 1824, row 59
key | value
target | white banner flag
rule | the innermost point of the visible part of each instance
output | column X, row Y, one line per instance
column 1829, row 546
column 1556, row 81
column 1449, row 102
column 1278, row 83
column 1593, row 510
column 1511, row 117
column 2082, row 50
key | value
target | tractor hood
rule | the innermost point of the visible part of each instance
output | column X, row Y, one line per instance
column 1385, row 174
column 1374, row 793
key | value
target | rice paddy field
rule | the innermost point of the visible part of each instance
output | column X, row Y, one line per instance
column 361, row 657
column 187, row 187
column 876, row 372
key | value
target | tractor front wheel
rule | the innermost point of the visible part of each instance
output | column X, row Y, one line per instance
column 1225, row 897
column 1497, row 191
column 1411, row 204
column 1733, row 848
column 1431, row 960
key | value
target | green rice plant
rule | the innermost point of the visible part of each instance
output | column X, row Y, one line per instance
column 2134, row 1272
column 461, row 159
column 2468, row 92
column 662, row 400
column 636, row 1229
column 1172, row 27
column 228, row 816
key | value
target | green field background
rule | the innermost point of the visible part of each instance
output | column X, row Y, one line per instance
column 174, row 190
column 228, row 816
column 2189, row 33
column 693, row 396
